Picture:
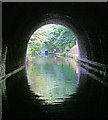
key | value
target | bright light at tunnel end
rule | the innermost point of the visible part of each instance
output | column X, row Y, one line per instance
column 44, row 41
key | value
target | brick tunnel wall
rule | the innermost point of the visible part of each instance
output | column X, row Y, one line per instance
column 75, row 51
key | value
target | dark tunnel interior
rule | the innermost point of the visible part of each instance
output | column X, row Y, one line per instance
column 88, row 21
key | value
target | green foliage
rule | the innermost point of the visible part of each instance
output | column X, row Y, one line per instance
column 50, row 37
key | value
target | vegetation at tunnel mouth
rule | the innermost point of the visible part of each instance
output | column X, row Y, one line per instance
column 53, row 39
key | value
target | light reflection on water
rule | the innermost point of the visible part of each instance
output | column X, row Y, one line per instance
column 52, row 78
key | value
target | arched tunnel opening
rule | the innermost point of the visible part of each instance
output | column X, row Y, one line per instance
column 88, row 23
column 50, row 65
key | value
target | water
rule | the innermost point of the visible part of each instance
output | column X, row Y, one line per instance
column 52, row 78
column 74, row 92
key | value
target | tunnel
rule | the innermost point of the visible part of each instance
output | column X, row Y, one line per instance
column 88, row 22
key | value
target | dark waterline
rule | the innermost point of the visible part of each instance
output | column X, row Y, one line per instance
column 53, row 78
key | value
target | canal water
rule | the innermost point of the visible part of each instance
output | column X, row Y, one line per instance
column 52, row 78
column 54, row 87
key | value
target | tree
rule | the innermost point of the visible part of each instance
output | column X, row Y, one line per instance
column 50, row 37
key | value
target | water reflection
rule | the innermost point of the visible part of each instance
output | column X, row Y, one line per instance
column 52, row 78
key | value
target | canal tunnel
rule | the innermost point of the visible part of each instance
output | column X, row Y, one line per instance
column 88, row 22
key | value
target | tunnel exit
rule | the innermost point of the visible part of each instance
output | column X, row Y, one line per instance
column 51, row 69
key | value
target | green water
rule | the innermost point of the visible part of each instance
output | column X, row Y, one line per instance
column 53, row 79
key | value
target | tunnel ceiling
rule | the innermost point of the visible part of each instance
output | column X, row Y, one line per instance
column 86, row 20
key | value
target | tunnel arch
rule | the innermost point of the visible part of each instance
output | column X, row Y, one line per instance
column 78, row 32
column 22, row 19
column 80, row 19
